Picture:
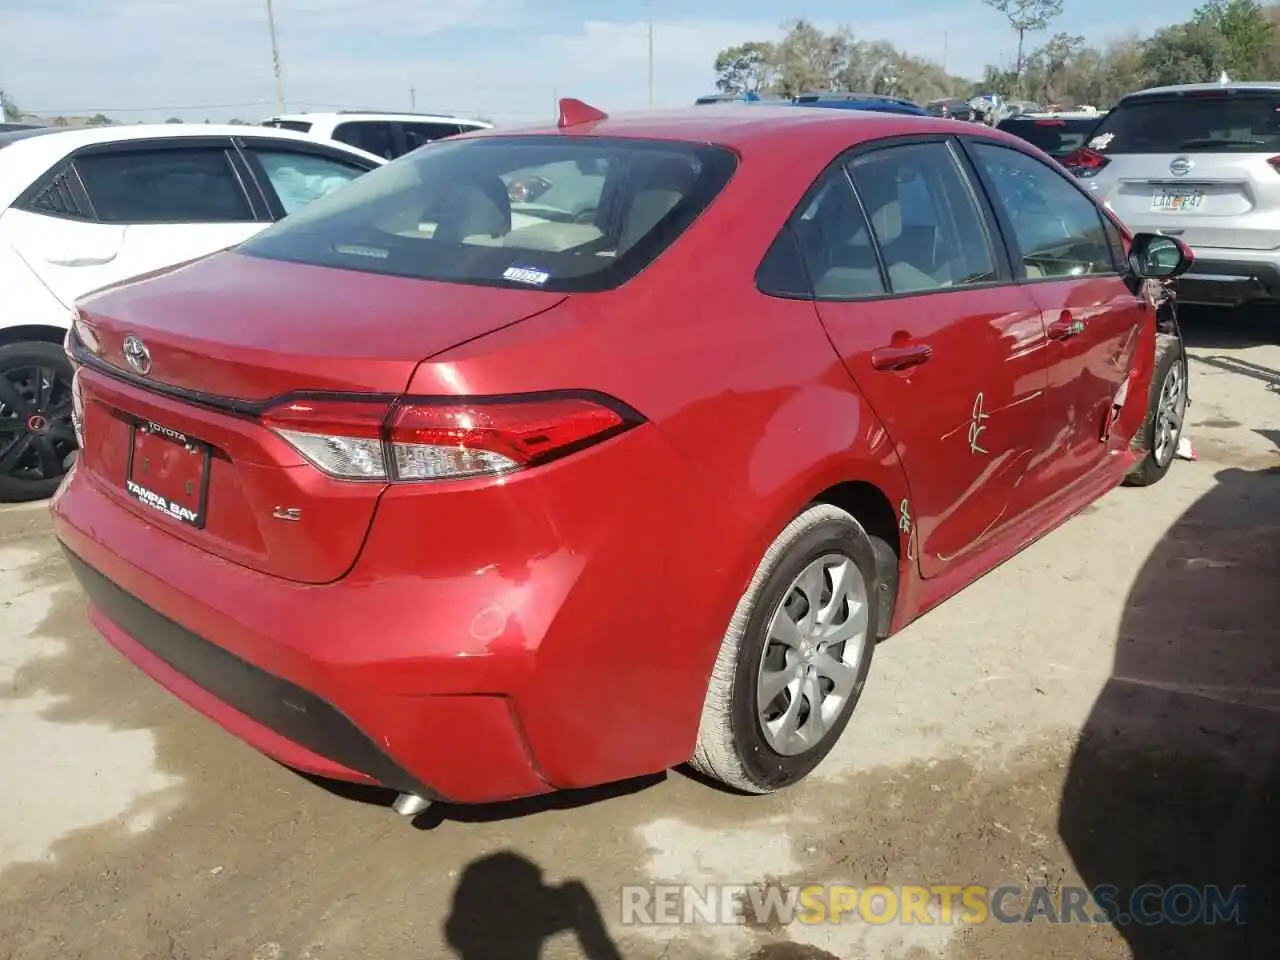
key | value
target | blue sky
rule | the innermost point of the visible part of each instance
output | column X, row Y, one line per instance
column 504, row 59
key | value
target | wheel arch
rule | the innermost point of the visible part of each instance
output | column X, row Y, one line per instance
column 32, row 333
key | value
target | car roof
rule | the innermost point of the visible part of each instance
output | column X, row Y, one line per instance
column 730, row 126
column 1261, row 86
column 345, row 116
column 26, row 154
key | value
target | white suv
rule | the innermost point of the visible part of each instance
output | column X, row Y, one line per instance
column 1200, row 162
column 386, row 135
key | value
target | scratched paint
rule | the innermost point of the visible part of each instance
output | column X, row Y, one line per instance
column 977, row 424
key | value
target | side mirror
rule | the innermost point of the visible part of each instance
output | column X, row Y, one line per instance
column 1153, row 256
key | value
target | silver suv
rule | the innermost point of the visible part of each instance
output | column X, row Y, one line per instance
column 1200, row 162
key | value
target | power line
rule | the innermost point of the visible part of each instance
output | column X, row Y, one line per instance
column 65, row 111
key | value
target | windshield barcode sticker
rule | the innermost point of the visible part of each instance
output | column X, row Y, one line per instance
column 354, row 251
column 526, row 275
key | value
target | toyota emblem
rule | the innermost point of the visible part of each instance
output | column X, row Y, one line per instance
column 1180, row 166
column 137, row 354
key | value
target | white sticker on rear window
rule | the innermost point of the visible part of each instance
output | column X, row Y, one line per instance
column 354, row 251
column 1102, row 141
column 526, row 275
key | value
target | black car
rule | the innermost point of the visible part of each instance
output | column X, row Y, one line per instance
column 953, row 107
column 1055, row 135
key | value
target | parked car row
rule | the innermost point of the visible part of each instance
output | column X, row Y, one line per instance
column 382, row 489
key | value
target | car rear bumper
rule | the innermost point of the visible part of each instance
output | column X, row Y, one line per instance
column 1229, row 281
column 564, row 640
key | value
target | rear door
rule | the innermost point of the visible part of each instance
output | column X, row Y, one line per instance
column 1068, row 256
column 944, row 347
column 125, row 209
column 1195, row 164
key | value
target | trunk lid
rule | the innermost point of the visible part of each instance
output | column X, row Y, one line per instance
column 226, row 334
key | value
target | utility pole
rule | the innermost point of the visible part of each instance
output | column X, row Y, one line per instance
column 944, row 51
column 413, row 99
column 649, row 5
column 275, row 59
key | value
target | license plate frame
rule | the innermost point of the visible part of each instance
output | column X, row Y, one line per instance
column 155, row 439
column 1165, row 200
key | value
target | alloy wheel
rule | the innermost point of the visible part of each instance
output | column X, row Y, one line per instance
column 36, row 433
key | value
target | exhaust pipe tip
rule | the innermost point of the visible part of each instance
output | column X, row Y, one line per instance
column 410, row 805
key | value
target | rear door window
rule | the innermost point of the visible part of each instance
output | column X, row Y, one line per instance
column 549, row 212
column 927, row 224
column 185, row 185
column 1213, row 121
column 376, row 137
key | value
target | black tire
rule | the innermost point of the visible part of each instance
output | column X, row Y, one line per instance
column 732, row 748
column 36, row 434
column 1152, row 468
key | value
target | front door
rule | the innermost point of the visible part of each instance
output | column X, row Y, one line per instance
column 1093, row 315
column 943, row 346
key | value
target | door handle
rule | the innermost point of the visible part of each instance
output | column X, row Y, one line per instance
column 1065, row 328
column 901, row 358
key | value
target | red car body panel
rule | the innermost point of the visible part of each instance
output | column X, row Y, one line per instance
column 556, row 628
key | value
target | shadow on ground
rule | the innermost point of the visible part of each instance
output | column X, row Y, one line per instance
column 1217, row 327
column 1174, row 779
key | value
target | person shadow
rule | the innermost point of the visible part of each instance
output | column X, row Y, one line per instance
column 1171, row 792
column 503, row 909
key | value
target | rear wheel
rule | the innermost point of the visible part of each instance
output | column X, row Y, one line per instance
column 793, row 662
column 1166, row 410
column 36, row 433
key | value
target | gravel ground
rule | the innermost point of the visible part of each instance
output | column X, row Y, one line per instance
column 1103, row 709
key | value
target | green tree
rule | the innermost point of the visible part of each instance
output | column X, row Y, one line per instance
column 1247, row 34
column 173, row 120
column 748, row 67
column 809, row 60
column 99, row 120
column 1026, row 16
column 11, row 112
column 1185, row 53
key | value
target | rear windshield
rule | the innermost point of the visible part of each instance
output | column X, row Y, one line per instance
column 555, row 213
column 1054, row 136
column 1211, row 121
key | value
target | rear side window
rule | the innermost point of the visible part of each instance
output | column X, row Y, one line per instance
column 369, row 136
column 546, row 212
column 1212, row 121
column 416, row 134
column 164, row 186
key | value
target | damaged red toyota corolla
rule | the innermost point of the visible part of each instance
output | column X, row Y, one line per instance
column 544, row 459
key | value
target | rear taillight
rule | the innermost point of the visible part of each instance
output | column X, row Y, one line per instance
column 77, row 407
column 442, row 439
column 1275, row 163
column 1085, row 162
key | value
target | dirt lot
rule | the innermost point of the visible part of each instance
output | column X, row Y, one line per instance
column 1102, row 709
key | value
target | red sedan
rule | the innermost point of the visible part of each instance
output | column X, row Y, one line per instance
column 478, row 491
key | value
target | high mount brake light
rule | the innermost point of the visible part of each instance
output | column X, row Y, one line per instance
column 441, row 439
column 1085, row 162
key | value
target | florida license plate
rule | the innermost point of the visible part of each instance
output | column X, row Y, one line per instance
column 169, row 472
column 1175, row 201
